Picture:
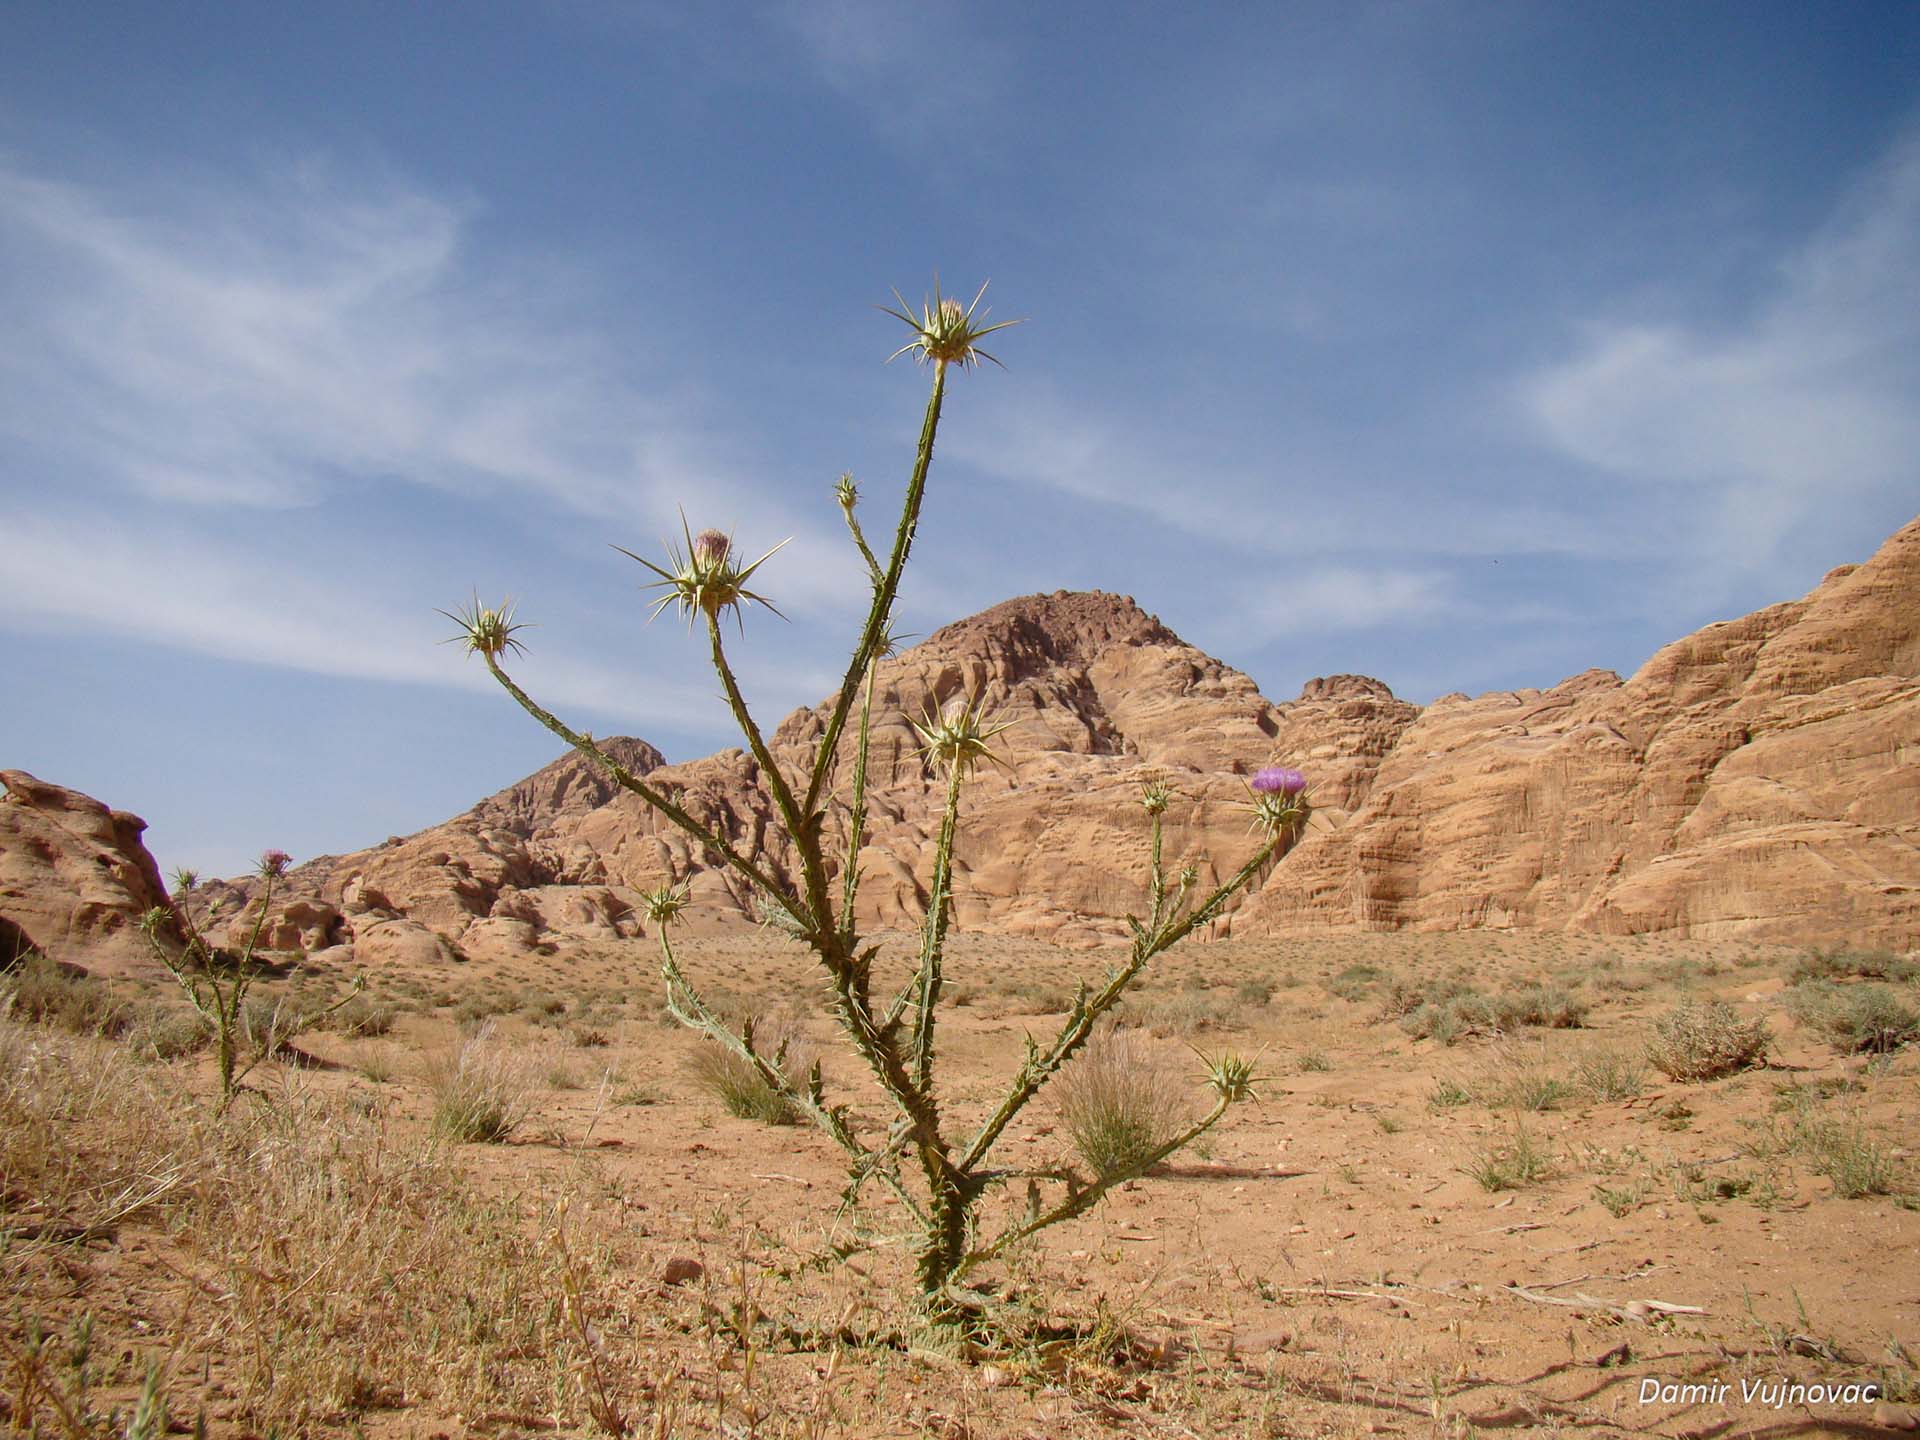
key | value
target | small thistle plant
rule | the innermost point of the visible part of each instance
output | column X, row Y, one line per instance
column 939, row 1175
column 216, row 981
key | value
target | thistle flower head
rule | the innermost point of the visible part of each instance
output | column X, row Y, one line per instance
column 156, row 920
column 664, row 904
column 485, row 632
column 711, row 548
column 1154, row 796
column 945, row 331
column 704, row 578
column 1280, row 801
column 1232, row 1076
column 1278, row 780
column 274, row 863
column 185, row 881
column 846, row 490
column 957, row 738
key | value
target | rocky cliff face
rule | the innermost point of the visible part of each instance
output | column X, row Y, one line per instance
column 74, row 877
column 1759, row 778
column 1099, row 696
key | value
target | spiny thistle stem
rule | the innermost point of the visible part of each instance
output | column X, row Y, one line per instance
column 848, row 494
column 1084, row 1199
column 627, row 780
column 805, row 833
column 857, row 818
column 934, row 933
column 685, row 1004
column 884, row 593
column 1080, row 1020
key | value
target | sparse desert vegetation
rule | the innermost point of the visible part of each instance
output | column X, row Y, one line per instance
column 626, row 1257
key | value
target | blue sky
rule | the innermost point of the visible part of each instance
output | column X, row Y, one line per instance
column 1466, row 346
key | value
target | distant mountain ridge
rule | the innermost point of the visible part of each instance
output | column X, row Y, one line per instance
column 1759, row 778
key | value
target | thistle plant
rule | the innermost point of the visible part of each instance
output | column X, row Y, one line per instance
column 940, row 1172
column 216, row 981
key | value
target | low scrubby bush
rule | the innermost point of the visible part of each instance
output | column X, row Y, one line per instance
column 1841, row 963
column 48, row 993
column 1696, row 1041
column 1855, row 1019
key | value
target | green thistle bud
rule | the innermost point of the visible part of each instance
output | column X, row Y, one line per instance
column 1232, row 1077
column 847, row 492
column 958, row 739
column 664, row 904
column 944, row 331
column 704, row 579
column 1153, row 797
column 485, row 632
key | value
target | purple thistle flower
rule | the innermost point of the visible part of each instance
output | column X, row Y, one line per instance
column 273, row 864
column 710, row 548
column 1279, row 780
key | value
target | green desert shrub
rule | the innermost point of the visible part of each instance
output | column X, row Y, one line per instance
column 1841, row 963
column 169, row 1033
column 1606, row 1072
column 1855, row 1019
column 48, row 993
column 1703, row 1041
column 365, row 1018
column 1119, row 1101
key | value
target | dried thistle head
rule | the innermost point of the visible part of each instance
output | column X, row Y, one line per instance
column 705, row 578
column 664, row 903
column 485, row 632
column 945, row 332
column 1154, row 796
column 958, row 738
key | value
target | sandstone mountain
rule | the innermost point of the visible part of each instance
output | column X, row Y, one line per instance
column 1760, row 778
column 1099, row 696
column 74, row 877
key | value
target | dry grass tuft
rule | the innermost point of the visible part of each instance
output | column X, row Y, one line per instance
column 1120, row 1101
column 479, row 1091
column 739, row 1087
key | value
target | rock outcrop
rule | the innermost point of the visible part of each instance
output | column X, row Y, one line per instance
column 75, row 878
column 1760, row 778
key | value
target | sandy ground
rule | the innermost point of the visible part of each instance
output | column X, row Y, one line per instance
column 1329, row 1261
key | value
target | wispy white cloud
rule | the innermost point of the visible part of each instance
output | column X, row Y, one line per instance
column 919, row 70
column 177, row 589
column 254, row 343
column 1289, row 504
column 1348, row 597
column 1765, row 422
column 183, row 368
